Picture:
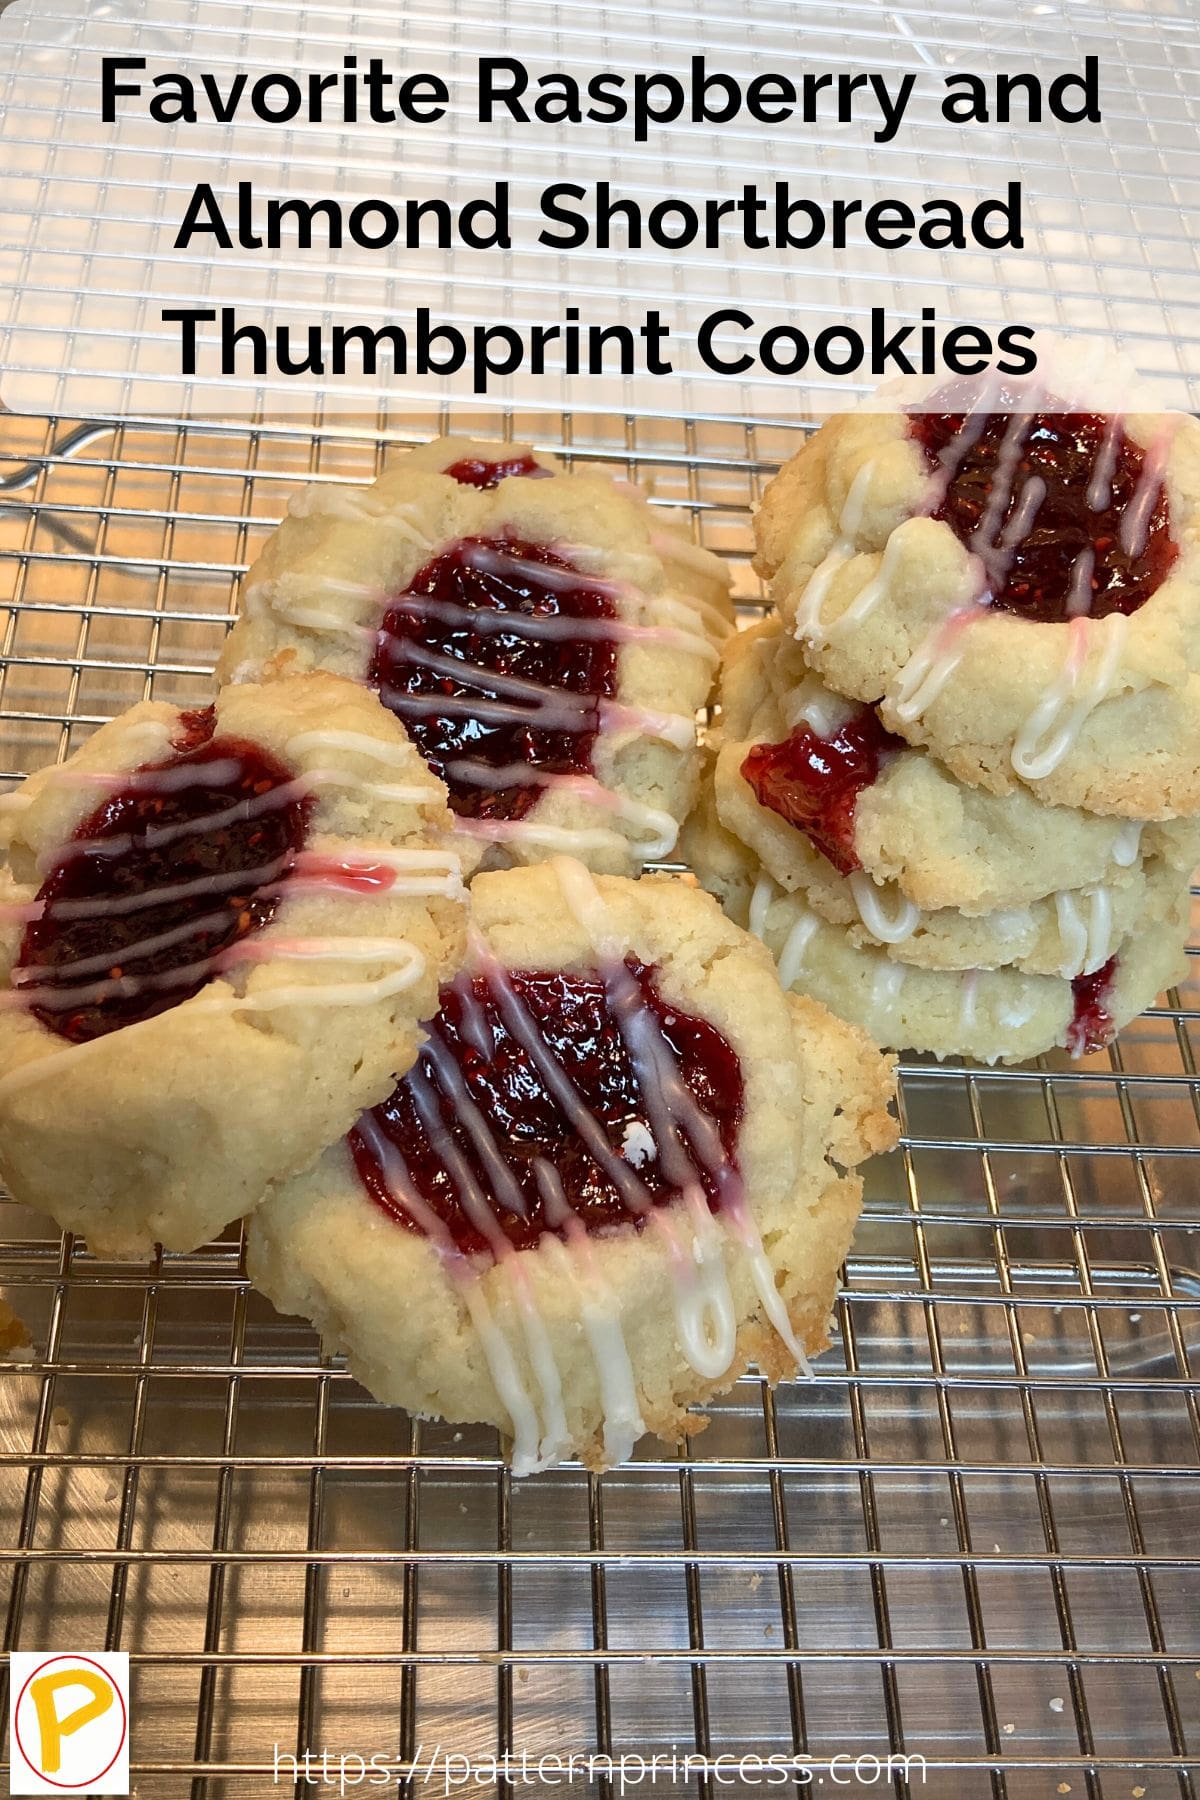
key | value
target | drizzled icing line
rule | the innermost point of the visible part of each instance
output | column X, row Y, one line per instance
column 1051, row 730
column 408, row 970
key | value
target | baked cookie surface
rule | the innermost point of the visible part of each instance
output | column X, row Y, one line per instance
column 912, row 823
column 219, row 931
column 1001, row 1014
column 868, row 827
column 616, row 1174
column 1020, row 593
column 546, row 642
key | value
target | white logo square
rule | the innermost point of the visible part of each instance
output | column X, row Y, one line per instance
column 68, row 1722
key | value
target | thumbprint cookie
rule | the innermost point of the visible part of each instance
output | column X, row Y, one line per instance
column 1018, row 590
column 619, row 1171
column 545, row 638
column 881, row 840
column 218, row 931
column 988, row 1013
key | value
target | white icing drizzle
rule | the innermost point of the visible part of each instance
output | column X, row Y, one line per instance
column 968, row 1000
column 551, row 627
column 1099, row 929
column 536, row 1444
column 1053, row 725
column 954, row 453
column 705, row 1319
column 813, row 705
column 677, row 729
column 791, row 955
column 808, row 615
column 1099, row 487
column 870, row 594
column 933, row 662
column 1127, row 843
column 1020, row 522
column 661, row 828
column 407, row 960
column 1051, row 729
column 1074, row 934
column 760, row 903
column 396, row 756
column 601, row 1314
column 894, row 926
column 994, row 549
column 674, row 1112
column 1079, row 594
column 159, row 837
column 1134, row 529
column 361, row 993
column 547, row 709
column 506, row 1377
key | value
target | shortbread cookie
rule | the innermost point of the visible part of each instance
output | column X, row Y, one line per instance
column 990, row 1015
column 819, row 789
column 482, row 462
column 218, row 934
column 793, row 798
column 546, row 643
column 1020, row 592
column 615, row 1176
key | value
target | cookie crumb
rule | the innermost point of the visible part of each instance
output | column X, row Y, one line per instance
column 1008, row 1729
column 1056, row 1705
column 755, row 1582
column 1064, row 1787
column 1137, row 1792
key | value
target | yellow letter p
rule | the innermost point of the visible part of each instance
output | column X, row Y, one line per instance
column 52, row 1729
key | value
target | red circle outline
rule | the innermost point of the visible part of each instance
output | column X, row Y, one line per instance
column 67, row 1657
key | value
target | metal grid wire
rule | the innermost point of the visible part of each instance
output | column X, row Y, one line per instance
column 971, row 1539
column 89, row 213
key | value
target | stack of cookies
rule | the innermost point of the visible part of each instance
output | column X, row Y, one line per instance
column 955, row 777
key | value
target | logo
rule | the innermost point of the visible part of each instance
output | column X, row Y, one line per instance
column 68, row 1720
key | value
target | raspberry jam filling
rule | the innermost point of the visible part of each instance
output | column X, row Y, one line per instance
column 492, row 701
column 478, row 1092
column 478, row 472
column 159, row 883
column 1091, row 1026
column 814, row 782
column 1082, row 524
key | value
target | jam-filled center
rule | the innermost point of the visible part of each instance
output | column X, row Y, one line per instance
column 527, row 1105
column 1068, row 514
column 496, row 659
column 814, row 782
column 1092, row 1025
column 160, row 883
column 489, row 472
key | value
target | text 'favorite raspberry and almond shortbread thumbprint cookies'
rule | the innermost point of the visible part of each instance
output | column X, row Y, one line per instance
column 219, row 929
column 1018, row 590
column 938, row 916
column 545, row 638
column 620, row 1169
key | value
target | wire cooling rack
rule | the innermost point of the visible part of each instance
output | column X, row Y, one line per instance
column 967, row 1553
